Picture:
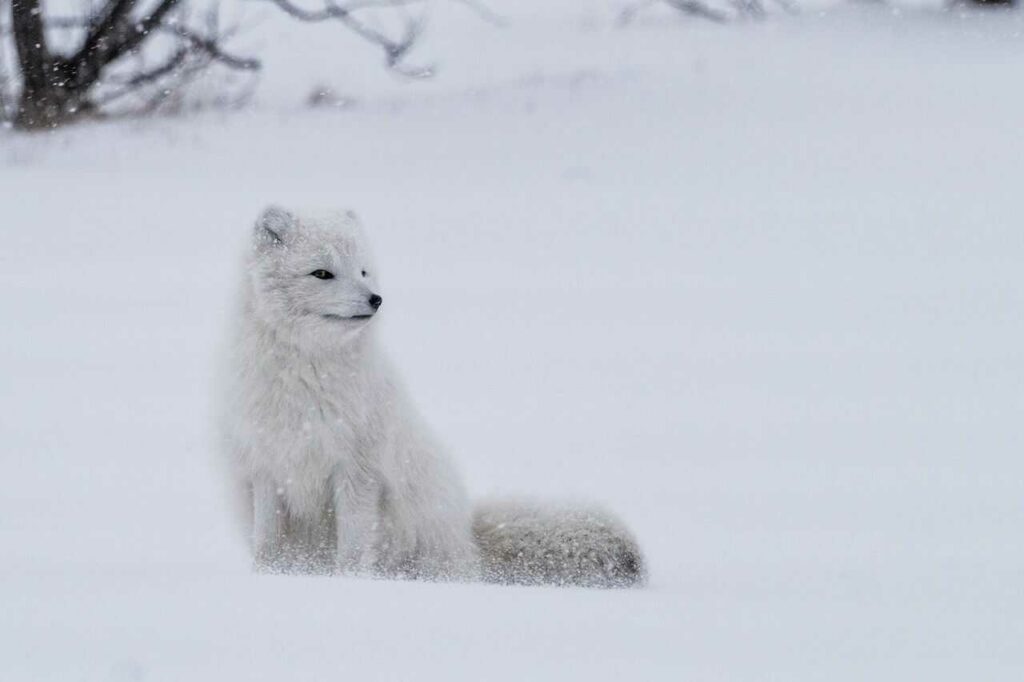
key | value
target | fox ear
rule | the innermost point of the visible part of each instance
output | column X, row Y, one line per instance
column 274, row 226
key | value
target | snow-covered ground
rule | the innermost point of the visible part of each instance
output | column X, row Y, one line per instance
column 758, row 287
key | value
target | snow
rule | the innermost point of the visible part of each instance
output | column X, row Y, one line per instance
column 757, row 287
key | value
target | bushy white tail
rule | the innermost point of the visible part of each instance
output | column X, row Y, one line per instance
column 533, row 544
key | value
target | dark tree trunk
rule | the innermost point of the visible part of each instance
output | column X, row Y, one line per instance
column 40, row 104
column 49, row 107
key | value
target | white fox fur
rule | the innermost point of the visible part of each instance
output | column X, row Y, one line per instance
column 334, row 468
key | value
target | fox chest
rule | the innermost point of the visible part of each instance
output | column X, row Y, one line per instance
column 306, row 435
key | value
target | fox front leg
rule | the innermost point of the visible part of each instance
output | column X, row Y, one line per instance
column 269, row 526
column 357, row 522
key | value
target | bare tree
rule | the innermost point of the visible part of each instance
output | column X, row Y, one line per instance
column 62, row 68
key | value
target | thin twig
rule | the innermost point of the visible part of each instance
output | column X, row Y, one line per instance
column 696, row 8
column 394, row 50
column 485, row 13
column 145, row 77
column 211, row 47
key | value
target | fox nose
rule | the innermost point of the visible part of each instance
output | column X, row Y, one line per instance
column 375, row 301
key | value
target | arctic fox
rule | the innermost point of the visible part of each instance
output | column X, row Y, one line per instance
column 335, row 471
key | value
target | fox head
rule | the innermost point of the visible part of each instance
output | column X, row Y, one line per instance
column 311, row 276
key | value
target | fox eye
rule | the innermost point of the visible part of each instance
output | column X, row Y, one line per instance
column 322, row 274
column 364, row 273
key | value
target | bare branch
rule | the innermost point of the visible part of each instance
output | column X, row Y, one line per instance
column 103, row 27
column 485, row 13
column 332, row 10
column 754, row 9
column 112, row 34
column 394, row 50
column 176, row 66
column 210, row 46
column 194, row 53
column 357, row 5
column 140, row 30
column 146, row 77
column 695, row 8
